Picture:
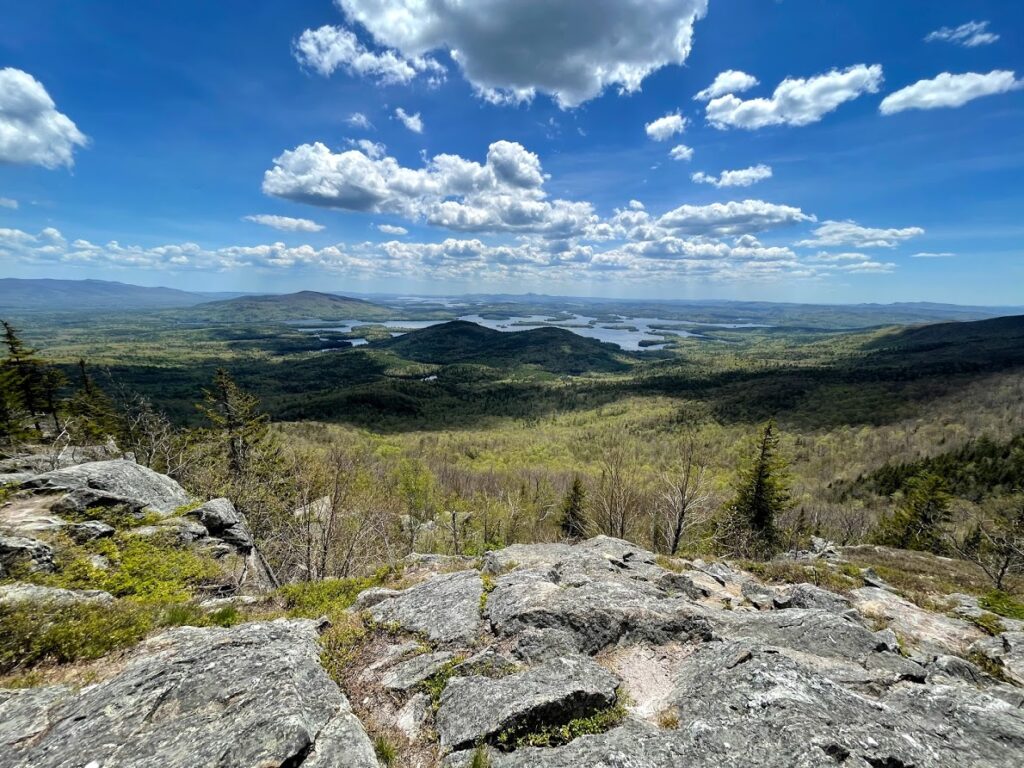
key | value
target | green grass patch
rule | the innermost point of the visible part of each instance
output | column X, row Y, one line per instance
column 1003, row 604
column 386, row 751
column 312, row 599
column 793, row 572
column 341, row 644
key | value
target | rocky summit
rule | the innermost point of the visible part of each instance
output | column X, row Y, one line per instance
column 598, row 653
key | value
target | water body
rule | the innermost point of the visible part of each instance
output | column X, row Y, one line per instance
column 646, row 328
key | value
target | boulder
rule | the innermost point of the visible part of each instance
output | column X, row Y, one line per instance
column 19, row 592
column 251, row 695
column 445, row 608
column 477, row 708
column 370, row 597
column 224, row 522
column 117, row 477
column 24, row 552
column 810, row 596
column 89, row 531
column 82, row 501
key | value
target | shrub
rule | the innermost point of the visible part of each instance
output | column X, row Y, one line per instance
column 311, row 599
column 34, row 633
column 556, row 735
column 1003, row 604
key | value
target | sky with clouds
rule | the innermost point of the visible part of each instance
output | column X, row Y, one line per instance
column 788, row 150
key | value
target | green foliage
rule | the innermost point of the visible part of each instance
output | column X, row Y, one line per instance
column 32, row 633
column 434, row 685
column 552, row 735
column 988, row 623
column 919, row 520
column 762, row 494
column 1003, row 604
column 312, row 599
column 145, row 569
column 90, row 410
column 480, row 758
column 574, row 519
column 341, row 644
column 792, row 572
column 386, row 751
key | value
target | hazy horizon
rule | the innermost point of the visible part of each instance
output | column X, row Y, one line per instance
column 702, row 149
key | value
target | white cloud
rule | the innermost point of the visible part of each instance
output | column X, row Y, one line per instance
column 32, row 131
column 666, row 127
column 733, row 218
column 391, row 229
column 744, row 177
column 839, row 233
column 359, row 120
column 681, row 152
column 413, row 122
column 503, row 195
column 969, row 35
column 930, row 255
column 285, row 223
column 796, row 101
column 948, row 90
column 730, row 81
column 6, row 202
column 580, row 48
column 329, row 48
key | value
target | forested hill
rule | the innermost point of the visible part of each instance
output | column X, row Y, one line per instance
column 304, row 305
column 77, row 295
column 553, row 349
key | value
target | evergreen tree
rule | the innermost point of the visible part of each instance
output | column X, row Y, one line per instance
column 25, row 376
column 761, row 496
column 13, row 416
column 919, row 520
column 574, row 521
column 235, row 417
column 91, row 409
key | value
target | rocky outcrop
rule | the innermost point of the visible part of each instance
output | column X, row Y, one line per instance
column 12, row 594
column 23, row 552
column 222, row 520
column 445, row 609
column 253, row 695
column 474, row 709
column 117, row 478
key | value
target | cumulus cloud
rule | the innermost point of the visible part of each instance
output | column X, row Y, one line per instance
column 32, row 131
column 328, row 48
column 581, row 48
column 969, row 35
column 733, row 218
column 505, row 194
column 744, row 177
column 730, row 81
column 359, row 120
column 285, row 223
column 391, row 229
column 796, row 101
column 681, row 152
column 413, row 122
column 948, row 90
column 666, row 127
column 7, row 202
column 848, row 233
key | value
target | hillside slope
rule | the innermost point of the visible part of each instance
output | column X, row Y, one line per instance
column 304, row 305
column 554, row 349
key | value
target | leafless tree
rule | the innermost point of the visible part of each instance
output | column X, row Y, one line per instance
column 996, row 541
column 617, row 499
column 685, row 498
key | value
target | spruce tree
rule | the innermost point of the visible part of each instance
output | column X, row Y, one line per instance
column 91, row 409
column 574, row 521
column 25, row 376
column 920, row 518
column 235, row 417
column 761, row 496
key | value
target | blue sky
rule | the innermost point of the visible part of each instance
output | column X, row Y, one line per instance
column 136, row 139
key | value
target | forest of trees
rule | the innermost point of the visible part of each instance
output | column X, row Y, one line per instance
column 345, row 504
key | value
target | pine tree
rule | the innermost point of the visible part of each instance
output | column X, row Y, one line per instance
column 234, row 415
column 761, row 496
column 574, row 521
column 92, row 410
column 920, row 518
column 25, row 373
column 13, row 416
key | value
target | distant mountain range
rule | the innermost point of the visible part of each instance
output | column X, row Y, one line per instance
column 74, row 295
